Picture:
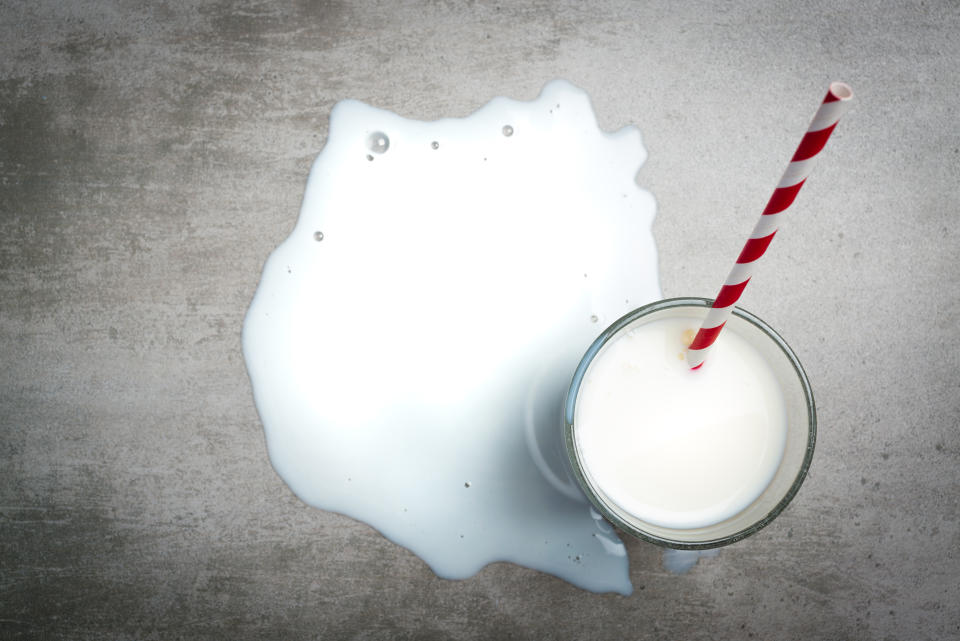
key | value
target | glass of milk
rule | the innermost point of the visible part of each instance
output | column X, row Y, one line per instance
column 689, row 459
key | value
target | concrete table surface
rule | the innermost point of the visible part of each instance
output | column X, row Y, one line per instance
column 153, row 154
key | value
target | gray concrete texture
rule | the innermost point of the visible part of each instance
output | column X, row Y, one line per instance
column 152, row 154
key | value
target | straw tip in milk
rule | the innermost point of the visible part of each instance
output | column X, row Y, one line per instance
column 841, row 90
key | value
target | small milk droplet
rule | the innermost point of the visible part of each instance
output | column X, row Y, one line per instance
column 369, row 157
column 594, row 318
column 435, row 145
column 679, row 561
column 507, row 130
column 378, row 142
column 318, row 236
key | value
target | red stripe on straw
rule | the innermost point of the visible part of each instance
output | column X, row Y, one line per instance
column 705, row 337
column 811, row 145
column 729, row 294
column 782, row 198
column 754, row 248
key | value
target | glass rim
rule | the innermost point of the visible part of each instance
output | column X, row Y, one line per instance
column 570, row 406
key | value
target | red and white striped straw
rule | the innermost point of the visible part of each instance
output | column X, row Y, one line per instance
column 833, row 106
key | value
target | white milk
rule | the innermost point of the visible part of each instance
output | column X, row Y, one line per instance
column 411, row 342
column 675, row 447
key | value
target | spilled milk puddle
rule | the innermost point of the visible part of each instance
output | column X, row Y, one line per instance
column 410, row 344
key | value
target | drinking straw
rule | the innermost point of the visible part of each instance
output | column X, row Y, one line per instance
column 824, row 121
